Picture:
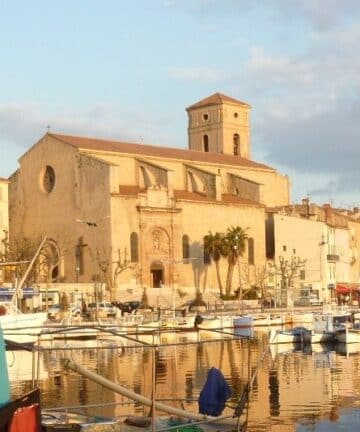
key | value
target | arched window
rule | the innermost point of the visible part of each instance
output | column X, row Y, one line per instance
column 134, row 247
column 185, row 247
column 206, row 143
column 251, row 252
column 207, row 259
column 236, row 144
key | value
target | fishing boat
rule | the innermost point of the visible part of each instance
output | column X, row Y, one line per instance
column 71, row 420
column 259, row 320
column 324, row 327
column 302, row 318
column 18, row 327
column 65, row 330
column 347, row 335
column 294, row 335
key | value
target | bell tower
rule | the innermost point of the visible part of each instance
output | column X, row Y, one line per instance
column 220, row 124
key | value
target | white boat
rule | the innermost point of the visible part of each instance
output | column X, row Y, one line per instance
column 347, row 335
column 18, row 327
column 208, row 322
column 259, row 320
column 294, row 335
column 324, row 326
column 61, row 331
column 302, row 317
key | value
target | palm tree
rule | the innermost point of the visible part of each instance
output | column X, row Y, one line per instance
column 234, row 244
column 213, row 245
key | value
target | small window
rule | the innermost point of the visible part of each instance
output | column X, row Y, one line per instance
column 206, row 117
column 251, row 252
column 134, row 247
column 284, row 248
column 236, row 144
column 48, row 179
column 185, row 247
column 206, row 143
column 236, row 115
column 302, row 274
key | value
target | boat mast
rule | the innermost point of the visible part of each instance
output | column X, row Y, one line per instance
column 26, row 274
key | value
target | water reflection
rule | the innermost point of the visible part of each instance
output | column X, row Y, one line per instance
column 296, row 388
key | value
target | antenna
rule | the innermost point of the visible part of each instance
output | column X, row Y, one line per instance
column 48, row 128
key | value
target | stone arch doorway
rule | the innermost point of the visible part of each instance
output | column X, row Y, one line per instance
column 157, row 274
column 50, row 262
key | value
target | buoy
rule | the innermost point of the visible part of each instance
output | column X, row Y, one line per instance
column 4, row 376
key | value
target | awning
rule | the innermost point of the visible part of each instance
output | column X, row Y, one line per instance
column 346, row 288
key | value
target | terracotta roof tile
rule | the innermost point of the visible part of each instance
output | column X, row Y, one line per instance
column 130, row 189
column 97, row 144
column 217, row 98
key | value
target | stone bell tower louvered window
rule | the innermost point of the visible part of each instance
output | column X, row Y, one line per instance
column 220, row 124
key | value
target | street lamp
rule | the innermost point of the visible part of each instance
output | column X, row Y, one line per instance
column 94, row 224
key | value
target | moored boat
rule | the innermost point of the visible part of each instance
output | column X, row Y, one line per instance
column 347, row 335
column 302, row 317
column 260, row 320
column 294, row 335
column 19, row 327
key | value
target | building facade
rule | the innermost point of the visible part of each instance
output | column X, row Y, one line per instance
column 136, row 215
column 326, row 239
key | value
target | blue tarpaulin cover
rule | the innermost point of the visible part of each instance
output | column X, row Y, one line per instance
column 214, row 394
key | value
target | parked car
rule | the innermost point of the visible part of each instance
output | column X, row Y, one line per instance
column 129, row 306
column 103, row 307
column 54, row 310
column 310, row 300
column 314, row 300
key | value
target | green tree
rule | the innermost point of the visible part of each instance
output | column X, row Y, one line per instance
column 213, row 245
column 234, row 243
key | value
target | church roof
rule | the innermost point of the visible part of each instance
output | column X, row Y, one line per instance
column 102, row 145
column 215, row 99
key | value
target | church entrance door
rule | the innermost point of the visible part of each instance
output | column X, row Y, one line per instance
column 157, row 274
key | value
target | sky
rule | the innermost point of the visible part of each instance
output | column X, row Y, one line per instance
column 126, row 70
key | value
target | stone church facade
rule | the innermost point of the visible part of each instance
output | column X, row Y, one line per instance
column 96, row 199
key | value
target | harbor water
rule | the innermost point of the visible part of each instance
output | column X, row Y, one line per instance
column 301, row 388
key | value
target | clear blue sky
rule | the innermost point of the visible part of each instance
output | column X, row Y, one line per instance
column 127, row 70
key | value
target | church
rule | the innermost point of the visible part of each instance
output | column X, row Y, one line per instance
column 135, row 214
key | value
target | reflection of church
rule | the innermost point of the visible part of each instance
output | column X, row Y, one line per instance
column 158, row 203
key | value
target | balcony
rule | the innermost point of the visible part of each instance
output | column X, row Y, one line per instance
column 332, row 255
